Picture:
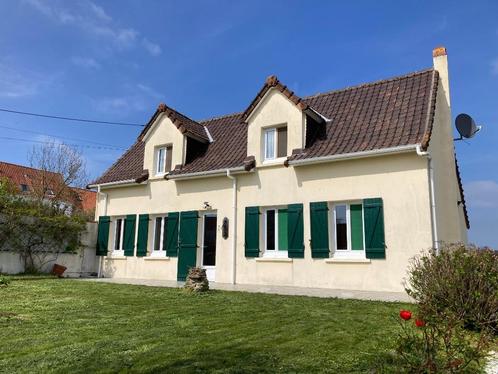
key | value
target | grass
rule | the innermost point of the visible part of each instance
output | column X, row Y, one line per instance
column 73, row 326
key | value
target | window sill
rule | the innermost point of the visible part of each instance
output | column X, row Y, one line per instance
column 116, row 257
column 348, row 261
column 272, row 163
column 156, row 258
column 273, row 259
column 158, row 177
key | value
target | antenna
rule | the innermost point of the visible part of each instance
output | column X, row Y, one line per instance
column 466, row 126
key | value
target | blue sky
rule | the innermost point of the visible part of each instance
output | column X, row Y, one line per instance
column 116, row 60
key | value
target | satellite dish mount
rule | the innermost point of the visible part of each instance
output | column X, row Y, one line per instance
column 466, row 126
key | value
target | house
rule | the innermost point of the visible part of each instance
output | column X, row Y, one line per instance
column 35, row 182
column 336, row 190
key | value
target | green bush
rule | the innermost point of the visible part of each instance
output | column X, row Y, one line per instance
column 4, row 281
column 460, row 281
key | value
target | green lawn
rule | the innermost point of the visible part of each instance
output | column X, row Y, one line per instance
column 73, row 326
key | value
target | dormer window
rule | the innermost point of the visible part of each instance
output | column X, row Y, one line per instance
column 275, row 143
column 163, row 157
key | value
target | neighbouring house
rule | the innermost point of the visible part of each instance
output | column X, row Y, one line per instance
column 35, row 182
column 335, row 190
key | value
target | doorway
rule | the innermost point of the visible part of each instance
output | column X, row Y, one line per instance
column 208, row 248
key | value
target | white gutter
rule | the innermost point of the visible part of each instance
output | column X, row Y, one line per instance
column 209, row 173
column 114, row 184
column 234, row 224
column 354, row 155
column 101, row 258
column 432, row 197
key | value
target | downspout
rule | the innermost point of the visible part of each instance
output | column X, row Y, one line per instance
column 101, row 258
column 435, row 239
column 234, row 225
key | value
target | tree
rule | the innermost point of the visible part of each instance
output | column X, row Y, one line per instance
column 39, row 227
column 59, row 166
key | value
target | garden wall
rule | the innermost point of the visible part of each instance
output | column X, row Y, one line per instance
column 82, row 263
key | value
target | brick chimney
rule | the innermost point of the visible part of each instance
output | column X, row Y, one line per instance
column 440, row 61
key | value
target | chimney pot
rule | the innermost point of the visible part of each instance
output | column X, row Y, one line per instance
column 439, row 51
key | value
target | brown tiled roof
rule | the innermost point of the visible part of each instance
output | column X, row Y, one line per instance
column 388, row 113
column 182, row 123
column 383, row 114
column 462, row 195
column 128, row 167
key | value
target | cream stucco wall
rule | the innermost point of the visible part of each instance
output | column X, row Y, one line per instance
column 400, row 180
column 274, row 110
column 450, row 216
column 163, row 133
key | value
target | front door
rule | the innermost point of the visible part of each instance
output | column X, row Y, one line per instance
column 187, row 245
column 209, row 246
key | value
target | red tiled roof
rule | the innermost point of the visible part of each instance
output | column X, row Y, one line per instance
column 388, row 113
column 87, row 199
column 23, row 175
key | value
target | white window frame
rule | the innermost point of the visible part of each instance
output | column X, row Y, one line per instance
column 158, row 160
column 265, row 148
column 118, row 252
column 161, row 252
column 274, row 253
column 349, row 252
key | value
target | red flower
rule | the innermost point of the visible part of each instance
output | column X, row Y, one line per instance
column 419, row 323
column 405, row 314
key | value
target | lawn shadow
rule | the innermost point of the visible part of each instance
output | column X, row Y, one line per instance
column 229, row 359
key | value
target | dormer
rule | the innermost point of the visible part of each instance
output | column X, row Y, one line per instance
column 277, row 120
column 171, row 139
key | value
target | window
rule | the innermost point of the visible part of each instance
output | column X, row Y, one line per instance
column 160, row 227
column 118, row 237
column 348, row 230
column 275, row 232
column 275, row 143
column 163, row 156
column 24, row 188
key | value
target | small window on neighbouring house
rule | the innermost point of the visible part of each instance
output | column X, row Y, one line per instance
column 275, row 232
column 24, row 188
column 160, row 227
column 348, row 228
column 275, row 143
column 118, row 234
column 163, row 156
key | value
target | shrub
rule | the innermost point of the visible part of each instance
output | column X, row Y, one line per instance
column 460, row 282
column 4, row 281
column 439, row 346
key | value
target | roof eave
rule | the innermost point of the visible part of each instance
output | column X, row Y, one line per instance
column 206, row 174
column 354, row 155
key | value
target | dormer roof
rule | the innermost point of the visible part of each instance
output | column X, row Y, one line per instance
column 186, row 125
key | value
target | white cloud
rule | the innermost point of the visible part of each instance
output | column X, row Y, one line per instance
column 18, row 82
column 482, row 194
column 93, row 19
column 494, row 66
column 149, row 91
column 85, row 62
column 152, row 48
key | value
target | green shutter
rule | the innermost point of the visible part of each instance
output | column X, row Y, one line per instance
column 187, row 256
column 356, row 218
column 374, row 228
column 252, row 232
column 296, row 230
column 170, row 240
column 283, row 239
column 129, row 235
column 103, row 235
column 319, row 219
column 143, row 233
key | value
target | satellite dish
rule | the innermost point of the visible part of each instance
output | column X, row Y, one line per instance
column 466, row 126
